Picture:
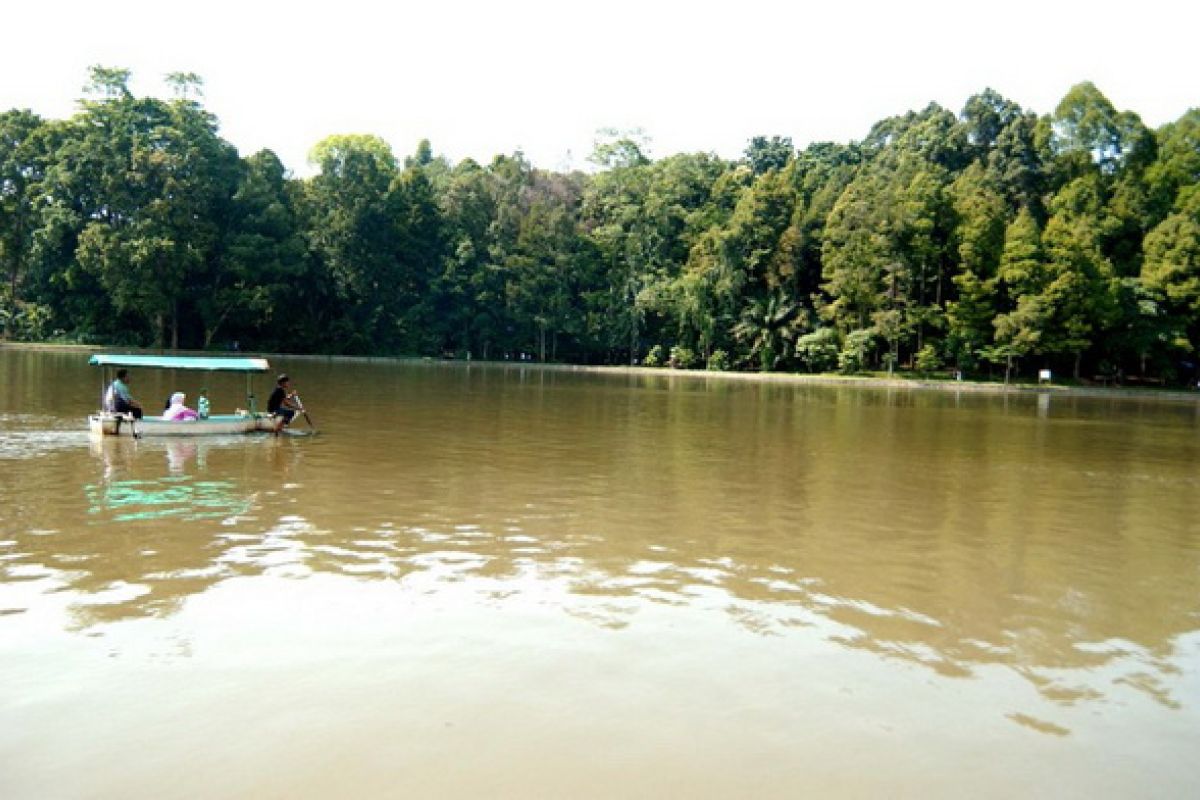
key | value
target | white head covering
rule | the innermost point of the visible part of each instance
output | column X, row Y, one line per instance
column 176, row 405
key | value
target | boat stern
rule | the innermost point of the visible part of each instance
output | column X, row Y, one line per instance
column 104, row 423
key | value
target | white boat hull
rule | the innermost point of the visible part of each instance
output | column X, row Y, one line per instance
column 106, row 424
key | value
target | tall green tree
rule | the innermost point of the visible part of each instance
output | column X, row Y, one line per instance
column 263, row 290
column 1078, row 296
column 857, row 251
column 1172, row 269
column 420, row 230
column 764, row 154
column 353, row 234
column 153, row 177
column 623, row 237
column 980, row 212
column 1021, row 278
column 470, row 290
column 22, row 167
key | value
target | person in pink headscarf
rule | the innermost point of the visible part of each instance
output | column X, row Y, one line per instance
column 177, row 411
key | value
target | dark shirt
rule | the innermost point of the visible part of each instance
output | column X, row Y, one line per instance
column 276, row 401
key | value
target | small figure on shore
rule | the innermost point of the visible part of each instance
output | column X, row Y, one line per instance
column 119, row 399
column 202, row 404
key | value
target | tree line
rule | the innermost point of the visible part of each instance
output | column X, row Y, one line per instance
column 995, row 241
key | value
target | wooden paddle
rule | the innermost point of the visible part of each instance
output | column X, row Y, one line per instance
column 300, row 405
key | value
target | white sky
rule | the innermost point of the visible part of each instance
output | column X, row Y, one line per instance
column 482, row 78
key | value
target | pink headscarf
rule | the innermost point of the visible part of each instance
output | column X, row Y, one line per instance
column 177, row 411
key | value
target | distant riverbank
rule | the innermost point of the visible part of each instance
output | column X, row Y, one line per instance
column 826, row 379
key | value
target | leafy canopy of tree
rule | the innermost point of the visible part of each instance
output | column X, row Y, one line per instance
column 995, row 240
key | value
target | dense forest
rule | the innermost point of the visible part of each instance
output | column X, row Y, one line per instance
column 996, row 241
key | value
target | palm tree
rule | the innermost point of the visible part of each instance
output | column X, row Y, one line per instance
column 768, row 325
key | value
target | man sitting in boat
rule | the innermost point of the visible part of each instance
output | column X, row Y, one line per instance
column 119, row 399
column 178, row 411
column 282, row 405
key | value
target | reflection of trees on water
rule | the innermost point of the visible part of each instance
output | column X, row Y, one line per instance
column 956, row 543
column 152, row 516
column 1059, row 637
column 183, row 493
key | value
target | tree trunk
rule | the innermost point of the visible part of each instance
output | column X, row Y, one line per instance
column 633, row 335
column 1078, row 363
column 211, row 333
column 542, row 343
column 18, row 257
column 12, row 277
column 921, row 317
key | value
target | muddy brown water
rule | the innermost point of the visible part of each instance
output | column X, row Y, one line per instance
column 494, row 581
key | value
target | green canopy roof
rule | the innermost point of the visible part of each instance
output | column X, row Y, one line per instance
column 212, row 364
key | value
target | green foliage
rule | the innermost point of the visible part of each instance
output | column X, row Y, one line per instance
column 682, row 357
column 23, row 322
column 990, row 237
column 354, row 157
column 615, row 149
column 1019, row 333
column 928, row 359
column 1086, row 124
column 818, row 351
column 142, row 187
column 22, row 165
column 1172, row 261
column 718, row 361
column 856, row 351
column 265, row 292
column 763, row 154
column 970, row 318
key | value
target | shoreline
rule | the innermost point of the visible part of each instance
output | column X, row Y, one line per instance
column 793, row 378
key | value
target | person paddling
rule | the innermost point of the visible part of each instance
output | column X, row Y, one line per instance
column 282, row 404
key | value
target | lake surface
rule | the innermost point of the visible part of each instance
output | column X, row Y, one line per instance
column 501, row 582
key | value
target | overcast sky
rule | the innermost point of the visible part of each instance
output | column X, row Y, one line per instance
column 481, row 78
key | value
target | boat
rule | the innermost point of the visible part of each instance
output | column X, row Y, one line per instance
column 247, row 420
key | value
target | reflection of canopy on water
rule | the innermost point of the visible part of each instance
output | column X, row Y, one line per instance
column 179, row 496
column 159, row 519
column 176, row 495
column 1062, row 635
